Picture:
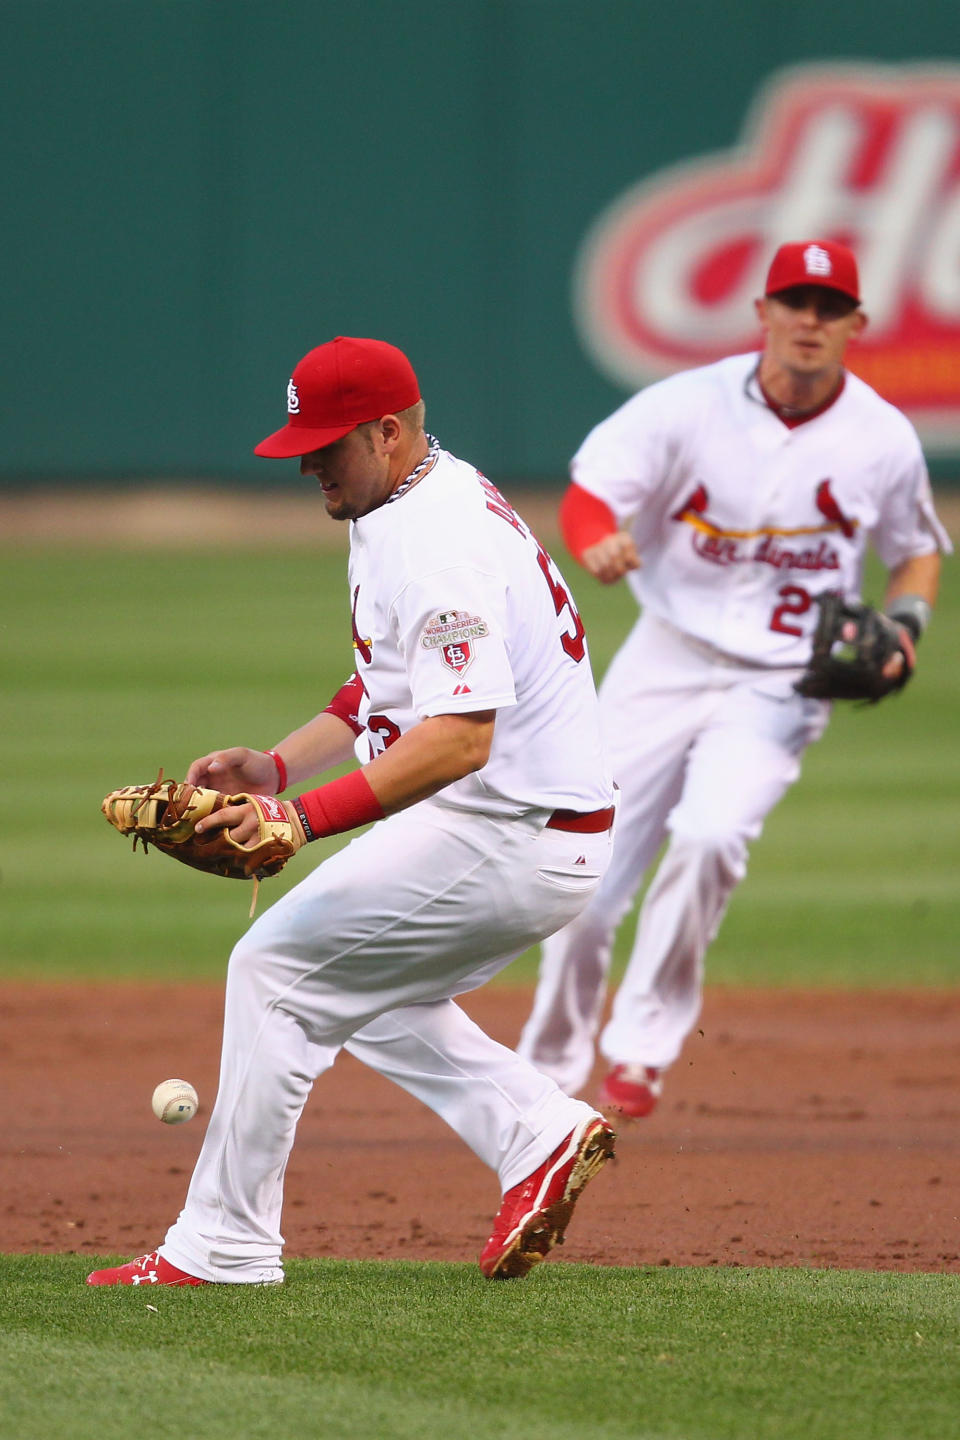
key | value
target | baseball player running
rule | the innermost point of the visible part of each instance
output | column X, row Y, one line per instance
column 473, row 712
column 732, row 496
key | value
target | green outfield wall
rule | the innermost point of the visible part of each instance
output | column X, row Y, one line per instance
column 198, row 191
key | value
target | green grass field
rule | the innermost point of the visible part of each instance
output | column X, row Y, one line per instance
column 117, row 663
column 405, row 1351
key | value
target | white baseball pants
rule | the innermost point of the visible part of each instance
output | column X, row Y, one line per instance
column 367, row 953
column 702, row 748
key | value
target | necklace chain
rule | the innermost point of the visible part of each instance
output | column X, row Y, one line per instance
column 419, row 471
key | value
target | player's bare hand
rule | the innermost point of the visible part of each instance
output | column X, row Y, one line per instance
column 240, row 820
column 610, row 558
column 235, row 769
column 895, row 665
column 243, row 823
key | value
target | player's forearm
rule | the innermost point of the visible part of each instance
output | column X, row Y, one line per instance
column 911, row 592
column 323, row 742
column 589, row 528
column 435, row 753
column 920, row 575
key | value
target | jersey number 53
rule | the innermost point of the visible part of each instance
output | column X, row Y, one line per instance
column 572, row 641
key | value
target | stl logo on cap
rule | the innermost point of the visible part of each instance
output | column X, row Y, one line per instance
column 293, row 399
column 817, row 261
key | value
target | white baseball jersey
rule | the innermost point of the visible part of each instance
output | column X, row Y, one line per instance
column 740, row 521
column 457, row 608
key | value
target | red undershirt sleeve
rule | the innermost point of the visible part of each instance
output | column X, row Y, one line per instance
column 346, row 703
column 584, row 519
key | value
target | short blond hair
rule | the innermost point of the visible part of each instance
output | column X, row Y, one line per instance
column 413, row 417
column 410, row 419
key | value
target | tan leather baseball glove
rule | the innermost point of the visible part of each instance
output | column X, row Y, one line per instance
column 165, row 813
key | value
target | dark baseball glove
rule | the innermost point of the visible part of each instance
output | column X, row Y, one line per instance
column 165, row 813
column 851, row 646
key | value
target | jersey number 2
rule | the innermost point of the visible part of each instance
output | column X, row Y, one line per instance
column 795, row 601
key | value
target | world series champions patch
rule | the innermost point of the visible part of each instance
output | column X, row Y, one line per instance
column 452, row 633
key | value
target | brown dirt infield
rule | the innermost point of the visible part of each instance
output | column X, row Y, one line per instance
column 800, row 1129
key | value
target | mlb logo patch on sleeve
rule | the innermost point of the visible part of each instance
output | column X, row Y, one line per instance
column 452, row 634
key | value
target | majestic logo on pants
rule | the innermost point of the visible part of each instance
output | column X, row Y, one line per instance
column 866, row 154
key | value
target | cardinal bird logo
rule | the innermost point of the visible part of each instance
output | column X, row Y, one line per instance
column 830, row 510
column 695, row 504
column 364, row 648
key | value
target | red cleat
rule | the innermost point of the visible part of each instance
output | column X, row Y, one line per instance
column 631, row 1091
column 534, row 1214
column 150, row 1269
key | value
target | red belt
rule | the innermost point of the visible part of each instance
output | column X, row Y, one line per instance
column 591, row 823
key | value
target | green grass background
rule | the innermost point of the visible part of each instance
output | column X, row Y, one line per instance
column 365, row 1350
column 117, row 662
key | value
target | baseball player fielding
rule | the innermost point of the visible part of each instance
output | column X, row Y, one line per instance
column 734, row 498
column 175, row 1101
column 464, row 661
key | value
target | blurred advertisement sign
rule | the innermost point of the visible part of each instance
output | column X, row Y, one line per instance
column 864, row 154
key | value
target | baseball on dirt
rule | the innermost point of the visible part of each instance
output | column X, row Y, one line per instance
column 175, row 1101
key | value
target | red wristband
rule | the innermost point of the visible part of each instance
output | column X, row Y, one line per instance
column 281, row 770
column 342, row 805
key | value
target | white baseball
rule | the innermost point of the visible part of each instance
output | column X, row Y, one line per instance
column 175, row 1101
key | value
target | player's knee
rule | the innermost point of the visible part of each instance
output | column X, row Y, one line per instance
column 715, row 854
column 244, row 960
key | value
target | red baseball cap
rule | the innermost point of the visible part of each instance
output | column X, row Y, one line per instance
column 337, row 387
column 814, row 262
